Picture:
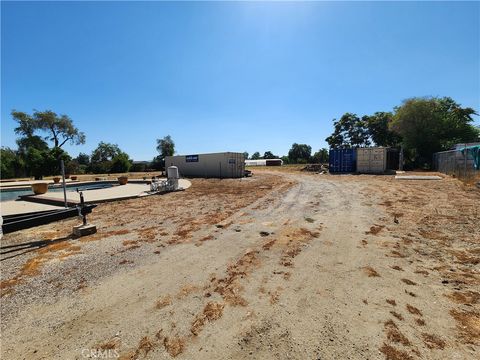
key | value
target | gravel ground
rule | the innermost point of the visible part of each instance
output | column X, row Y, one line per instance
column 278, row 266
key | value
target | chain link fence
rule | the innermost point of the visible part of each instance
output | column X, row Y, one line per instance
column 462, row 163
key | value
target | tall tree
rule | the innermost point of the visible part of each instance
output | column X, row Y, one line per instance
column 269, row 155
column 256, row 156
column 165, row 147
column 378, row 126
column 59, row 127
column 104, row 152
column 299, row 153
column 245, row 155
column 104, row 157
column 432, row 124
column 349, row 131
column 320, row 157
column 83, row 159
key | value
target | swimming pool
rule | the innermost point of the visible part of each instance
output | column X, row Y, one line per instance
column 13, row 194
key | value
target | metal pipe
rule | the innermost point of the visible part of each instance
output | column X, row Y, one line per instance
column 62, row 165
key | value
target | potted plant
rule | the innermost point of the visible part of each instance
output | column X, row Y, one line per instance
column 40, row 188
column 56, row 179
column 73, row 177
column 122, row 180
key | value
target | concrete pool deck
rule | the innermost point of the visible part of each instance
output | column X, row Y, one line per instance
column 29, row 183
column 20, row 207
column 55, row 200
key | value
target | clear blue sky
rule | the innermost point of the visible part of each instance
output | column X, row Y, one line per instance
column 231, row 76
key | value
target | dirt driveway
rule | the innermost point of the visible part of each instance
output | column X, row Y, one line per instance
column 280, row 266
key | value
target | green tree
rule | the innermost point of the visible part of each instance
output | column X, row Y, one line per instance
column 121, row 163
column 83, row 159
column 102, row 157
column 11, row 164
column 269, row 155
column 59, row 127
column 299, row 153
column 378, row 126
column 256, row 156
column 349, row 131
column 285, row 160
column 320, row 157
column 166, row 147
column 245, row 155
column 432, row 124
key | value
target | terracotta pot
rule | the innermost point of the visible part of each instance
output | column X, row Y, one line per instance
column 56, row 179
column 40, row 188
column 73, row 177
column 67, row 176
column 98, row 178
column 122, row 180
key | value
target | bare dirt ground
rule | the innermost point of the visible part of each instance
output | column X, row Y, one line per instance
column 278, row 266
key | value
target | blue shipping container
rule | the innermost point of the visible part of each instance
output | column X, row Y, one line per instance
column 342, row 160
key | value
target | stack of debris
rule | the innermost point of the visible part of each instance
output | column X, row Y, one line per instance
column 318, row 168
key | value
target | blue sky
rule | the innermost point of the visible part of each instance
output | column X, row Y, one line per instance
column 230, row 76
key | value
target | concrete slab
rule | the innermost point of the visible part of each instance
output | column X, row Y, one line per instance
column 20, row 207
column 27, row 184
column 418, row 177
column 120, row 192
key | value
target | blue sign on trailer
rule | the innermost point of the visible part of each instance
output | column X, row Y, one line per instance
column 342, row 161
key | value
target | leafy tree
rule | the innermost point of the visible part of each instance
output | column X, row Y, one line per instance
column 121, row 163
column 285, row 160
column 256, row 156
column 378, row 126
column 431, row 124
column 60, row 127
column 269, row 155
column 245, row 155
column 349, row 131
column 166, row 147
column 74, row 167
column 41, row 163
column 106, row 156
column 320, row 157
column 83, row 159
column 158, row 163
column 11, row 164
column 299, row 153
column 104, row 152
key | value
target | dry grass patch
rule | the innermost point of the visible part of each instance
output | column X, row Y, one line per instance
column 468, row 325
column 229, row 287
column 413, row 310
column 163, row 301
column 109, row 345
column 409, row 282
column 394, row 334
column 466, row 297
column 397, row 315
column 433, row 341
column 212, row 311
column 371, row 272
column 391, row 302
column 174, row 345
column 420, row 322
column 186, row 290
column 374, row 229
column 55, row 249
column 392, row 353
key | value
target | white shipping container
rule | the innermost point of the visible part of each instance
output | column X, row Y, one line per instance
column 372, row 160
column 215, row 165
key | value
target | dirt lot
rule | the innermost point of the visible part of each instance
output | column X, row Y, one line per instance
column 278, row 266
